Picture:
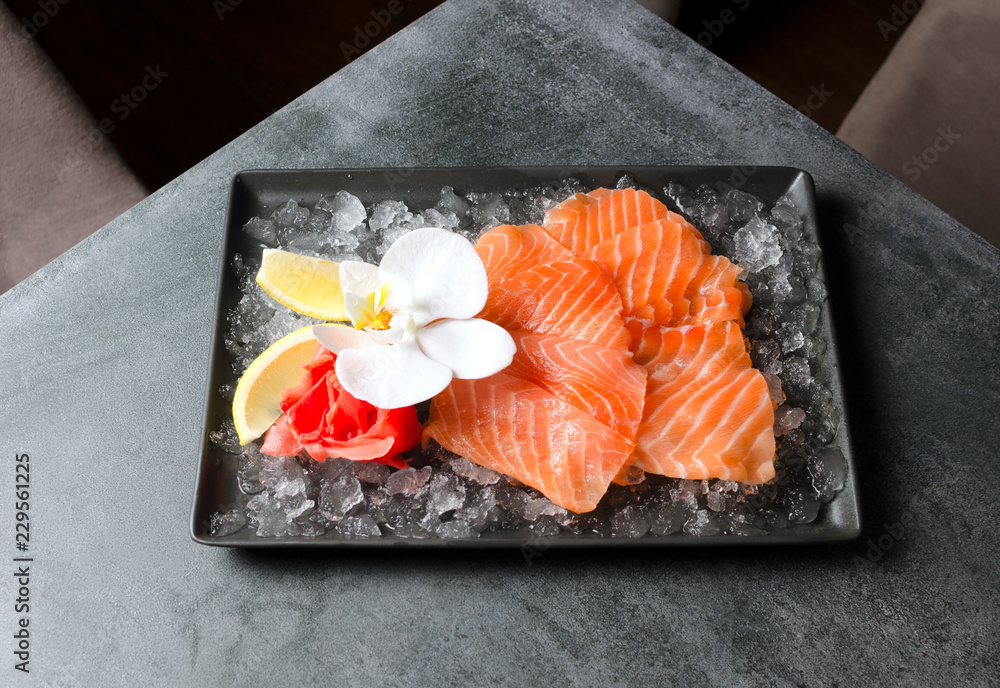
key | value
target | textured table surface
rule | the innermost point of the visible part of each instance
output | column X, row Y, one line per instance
column 103, row 357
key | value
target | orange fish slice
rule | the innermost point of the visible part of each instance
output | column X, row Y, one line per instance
column 708, row 413
column 601, row 381
column 569, row 298
column 586, row 220
column 516, row 427
column 507, row 250
column 663, row 274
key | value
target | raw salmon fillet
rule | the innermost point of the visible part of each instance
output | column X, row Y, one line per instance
column 708, row 412
column 601, row 381
column 569, row 298
column 664, row 274
column 585, row 220
column 516, row 427
column 507, row 250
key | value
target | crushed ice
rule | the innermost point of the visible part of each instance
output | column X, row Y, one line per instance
column 445, row 496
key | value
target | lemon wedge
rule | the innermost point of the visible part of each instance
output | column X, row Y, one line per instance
column 256, row 403
column 307, row 285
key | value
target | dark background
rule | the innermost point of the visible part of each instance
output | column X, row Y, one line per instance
column 231, row 63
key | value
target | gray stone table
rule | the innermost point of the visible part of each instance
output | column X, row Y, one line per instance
column 102, row 370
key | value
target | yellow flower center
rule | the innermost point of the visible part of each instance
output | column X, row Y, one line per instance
column 381, row 321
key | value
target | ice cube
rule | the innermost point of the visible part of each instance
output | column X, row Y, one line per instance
column 248, row 474
column 454, row 529
column 274, row 514
column 744, row 526
column 371, row 472
column 227, row 522
column 803, row 507
column 717, row 501
column 489, row 210
column 757, row 245
column 291, row 214
column 477, row 513
column 452, row 202
column 791, row 337
column 445, row 493
column 408, row 481
column 319, row 221
column 480, row 475
column 346, row 211
column 225, row 437
column 541, row 506
column 630, row 522
column 764, row 353
column 331, row 469
column 810, row 254
column 785, row 214
column 338, row 497
column 816, row 290
column 362, row 525
column 679, row 197
column 774, row 388
column 262, row 230
column 510, row 499
column 544, row 528
column 435, row 218
column 742, row 207
column 569, row 187
column 309, row 245
column 686, row 493
column 283, row 475
column 828, row 471
column 666, row 516
column 388, row 213
column 700, row 524
column 795, row 373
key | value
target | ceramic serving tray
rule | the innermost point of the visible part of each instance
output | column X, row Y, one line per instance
column 259, row 192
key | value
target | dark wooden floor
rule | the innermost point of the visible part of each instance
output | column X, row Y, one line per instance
column 817, row 55
column 227, row 64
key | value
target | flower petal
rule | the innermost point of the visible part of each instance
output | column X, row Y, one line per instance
column 472, row 348
column 361, row 278
column 361, row 287
column 336, row 338
column 361, row 448
column 436, row 274
column 391, row 376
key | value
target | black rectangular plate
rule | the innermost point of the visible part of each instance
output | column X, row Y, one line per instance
column 254, row 190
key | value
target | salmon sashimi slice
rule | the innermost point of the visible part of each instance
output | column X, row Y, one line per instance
column 601, row 381
column 507, row 250
column 517, row 428
column 653, row 345
column 585, row 220
column 663, row 274
column 708, row 412
column 569, row 298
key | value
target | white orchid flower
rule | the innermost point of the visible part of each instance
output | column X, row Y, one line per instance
column 414, row 325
